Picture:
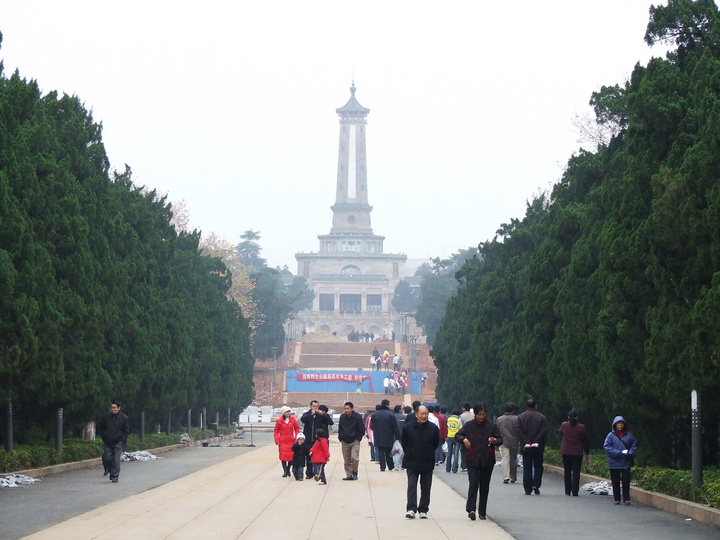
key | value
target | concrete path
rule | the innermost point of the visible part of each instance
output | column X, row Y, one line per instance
column 240, row 493
column 246, row 497
column 552, row 514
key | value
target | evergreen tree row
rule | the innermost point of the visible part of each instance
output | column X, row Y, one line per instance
column 605, row 297
column 100, row 297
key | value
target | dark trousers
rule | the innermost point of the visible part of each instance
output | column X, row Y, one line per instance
column 572, row 464
column 373, row 452
column 616, row 475
column 111, row 454
column 385, row 457
column 438, row 451
column 297, row 471
column 532, row 468
column 308, row 466
column 478, row 480
column 425, row 485
column 319, row 470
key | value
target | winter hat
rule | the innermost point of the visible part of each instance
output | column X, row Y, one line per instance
column 283, row 410
column 300, row 436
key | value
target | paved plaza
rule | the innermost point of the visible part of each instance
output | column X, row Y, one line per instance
column 232, row 492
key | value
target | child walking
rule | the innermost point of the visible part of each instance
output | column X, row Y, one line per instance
column 300, row 454
column 320, row 455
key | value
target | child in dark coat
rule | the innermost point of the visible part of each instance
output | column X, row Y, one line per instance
column 300, row 454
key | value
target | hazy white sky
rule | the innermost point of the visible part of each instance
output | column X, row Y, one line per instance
column 230, row 105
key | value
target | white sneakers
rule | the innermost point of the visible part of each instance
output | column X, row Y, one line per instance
column 411, row 515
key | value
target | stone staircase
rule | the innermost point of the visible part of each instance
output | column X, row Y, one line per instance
column 318, row 352
column 341, row 355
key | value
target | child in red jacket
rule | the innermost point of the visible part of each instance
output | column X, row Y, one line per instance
column 320, row 455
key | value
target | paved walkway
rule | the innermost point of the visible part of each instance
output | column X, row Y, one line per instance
column 240, row 493
column 246, row 497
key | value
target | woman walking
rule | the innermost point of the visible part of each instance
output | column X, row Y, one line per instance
column 286, row 430
column 479, row 436
column 575, row 441
column 620, row 447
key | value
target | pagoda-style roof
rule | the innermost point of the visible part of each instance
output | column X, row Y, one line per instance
column 352, row 107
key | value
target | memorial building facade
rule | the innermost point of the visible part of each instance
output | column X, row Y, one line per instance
column 352, row 277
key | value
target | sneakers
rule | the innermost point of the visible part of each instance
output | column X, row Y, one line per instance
column 627, row 502
column 471, row 515
column 536, row 490
column 617, row 502
column 322, row 483
column 506, row 481
column 423, row 515
column 482, row 517
column 410, row 514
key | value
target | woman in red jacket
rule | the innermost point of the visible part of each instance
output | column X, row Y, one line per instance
column 286, row 430
column 575, row 440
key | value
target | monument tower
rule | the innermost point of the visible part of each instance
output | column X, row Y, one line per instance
column 352, row 278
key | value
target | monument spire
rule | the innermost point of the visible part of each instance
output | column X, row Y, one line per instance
column 351, row 212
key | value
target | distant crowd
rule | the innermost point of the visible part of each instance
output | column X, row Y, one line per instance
column 420, row 438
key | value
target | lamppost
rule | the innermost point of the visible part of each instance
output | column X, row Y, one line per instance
column 272, row 380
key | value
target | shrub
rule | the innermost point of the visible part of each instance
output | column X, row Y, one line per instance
column 152, row 440
column 672, row 482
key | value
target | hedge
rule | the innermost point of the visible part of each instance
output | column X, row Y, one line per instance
column 672, row 482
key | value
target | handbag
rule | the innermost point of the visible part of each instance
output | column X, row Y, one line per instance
column 445, row 447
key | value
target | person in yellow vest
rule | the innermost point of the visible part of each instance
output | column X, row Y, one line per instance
column 453, row 451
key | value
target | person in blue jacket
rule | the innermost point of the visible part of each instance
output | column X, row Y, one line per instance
column 620, row 447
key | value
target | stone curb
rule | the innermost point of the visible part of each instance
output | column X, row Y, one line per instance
column 666, row 503
column 93, row 462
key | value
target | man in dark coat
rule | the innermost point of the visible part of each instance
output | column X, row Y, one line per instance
column 351, row 430
column 114, row 429
column 531, row 440
column 479, row 436
column 385, row 432
column 419, row 440
column 314, row 418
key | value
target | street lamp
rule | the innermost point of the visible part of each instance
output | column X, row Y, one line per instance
column 272, row 380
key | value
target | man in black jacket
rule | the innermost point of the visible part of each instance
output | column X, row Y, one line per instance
column 419, row 440
column 351, row 430
column 314, row 418
column 479, row 437
column 114, row 429
column 531, row 440
column 385, row 432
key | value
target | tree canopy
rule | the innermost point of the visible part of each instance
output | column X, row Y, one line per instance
column 100, row 296
column 605, row 297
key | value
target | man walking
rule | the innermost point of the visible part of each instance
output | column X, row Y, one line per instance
column 465, row 417
column 507, row 424
column 419, row 440
column 531, row 439
column 114, row 429
column 385, row 432
column 314, row 418
column 479, row 436
column 351, row 430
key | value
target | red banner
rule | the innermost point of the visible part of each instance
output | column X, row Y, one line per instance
column 347, row 377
